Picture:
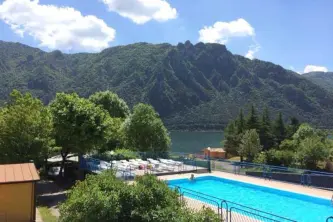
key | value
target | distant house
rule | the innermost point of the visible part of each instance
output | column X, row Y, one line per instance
column 217, row 153
column 17, row 192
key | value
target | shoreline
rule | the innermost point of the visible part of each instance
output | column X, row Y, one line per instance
column 197, row 131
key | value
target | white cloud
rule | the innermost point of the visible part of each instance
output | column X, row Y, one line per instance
column 252, row 50
column 293, row 69
column 56, row 27
column 313, row 68
column 142, row 11
column 221, row 32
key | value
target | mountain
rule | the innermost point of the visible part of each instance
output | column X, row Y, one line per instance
column 197, row 86
column 323, row 79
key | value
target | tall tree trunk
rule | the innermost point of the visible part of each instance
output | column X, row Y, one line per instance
column 62, row 167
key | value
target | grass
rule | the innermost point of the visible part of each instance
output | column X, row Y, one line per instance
column 235, row 158
column 46, row 214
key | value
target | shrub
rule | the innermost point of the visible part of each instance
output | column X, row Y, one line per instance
column 280, row 157
column 261, row 158
column 105, row 198
column 118, row 154
column 125, row 154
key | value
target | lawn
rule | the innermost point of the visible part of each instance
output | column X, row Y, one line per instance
column 46, row 214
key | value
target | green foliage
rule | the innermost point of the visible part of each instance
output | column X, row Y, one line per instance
column 280, row 157
column 231, row 139
column 323, row 79
column 288, row 144
column 311, row 150
column 79, row 125
column 105, row 198
column 279, row 129
column 240, row 122
column 265, row 132
column 250, row 145
column 144, row 130
column 292, row 127
column 26, row 129
column 116, row 136
column 261, row 158
column 252, row 121
column 197, row 86
column 303, row 132
column 111, row 102
column 125, row 154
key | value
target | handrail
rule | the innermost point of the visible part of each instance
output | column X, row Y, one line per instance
column 288, row 169
column 248, row 212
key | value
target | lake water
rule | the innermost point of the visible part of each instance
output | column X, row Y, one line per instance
column 194, row 142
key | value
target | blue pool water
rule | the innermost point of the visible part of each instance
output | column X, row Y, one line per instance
column 294, row 206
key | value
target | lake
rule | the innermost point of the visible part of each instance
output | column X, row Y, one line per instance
column 194, row 142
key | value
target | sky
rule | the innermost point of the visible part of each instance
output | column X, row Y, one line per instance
column 297, row 34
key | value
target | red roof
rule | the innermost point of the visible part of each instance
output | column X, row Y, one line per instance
column 15, row 173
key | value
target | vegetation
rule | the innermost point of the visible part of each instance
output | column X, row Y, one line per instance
column 79, row 125
column 145, row 131
column 197, row 86
column 26, row 129
column 118, row 154
column 323, row 79
column 295, row 144
column 111, row 102
column 46, row 214
column 106, row 198
column 31, row 131
column 249, row 145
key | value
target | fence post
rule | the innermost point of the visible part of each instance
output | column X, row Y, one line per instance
column 209, row 162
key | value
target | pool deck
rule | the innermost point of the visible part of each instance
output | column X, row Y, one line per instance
column 311, row 191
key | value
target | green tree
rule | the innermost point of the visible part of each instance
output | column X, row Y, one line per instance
column 303, row 132
column 105, row 198
column 265, row 133
column 311, row 150
column 79, row 125
column 252, row 121
column 110, row 101
column 250, row 145
column 145, row 131
column 240, row 123
column 25, row 129
column 279, row 129
column 292, row 127
column 231, row 139
column 116, row 138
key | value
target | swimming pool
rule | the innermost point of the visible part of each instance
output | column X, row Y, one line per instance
column 299, row 207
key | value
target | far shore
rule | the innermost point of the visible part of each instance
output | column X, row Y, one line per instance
column 198, row 131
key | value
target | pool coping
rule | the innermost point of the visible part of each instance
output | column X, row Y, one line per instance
column 294, row 188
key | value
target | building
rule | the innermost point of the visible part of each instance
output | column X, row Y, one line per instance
column 215, row 153
column 17, row 192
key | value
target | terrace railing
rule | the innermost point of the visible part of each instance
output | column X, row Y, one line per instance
column 226, row 210
column 286, row 174
column 186, row 164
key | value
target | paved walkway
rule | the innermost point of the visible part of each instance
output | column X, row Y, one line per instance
column 38, row 216
column 262, row 182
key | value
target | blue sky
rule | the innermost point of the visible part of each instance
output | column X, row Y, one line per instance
column 296, row 34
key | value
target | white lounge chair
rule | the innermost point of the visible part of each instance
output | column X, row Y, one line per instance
column 153, row 161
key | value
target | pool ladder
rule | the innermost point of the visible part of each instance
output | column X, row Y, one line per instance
column 332, row 200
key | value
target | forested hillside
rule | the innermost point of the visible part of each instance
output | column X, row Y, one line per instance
column 191, row 86
column 324, row 79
